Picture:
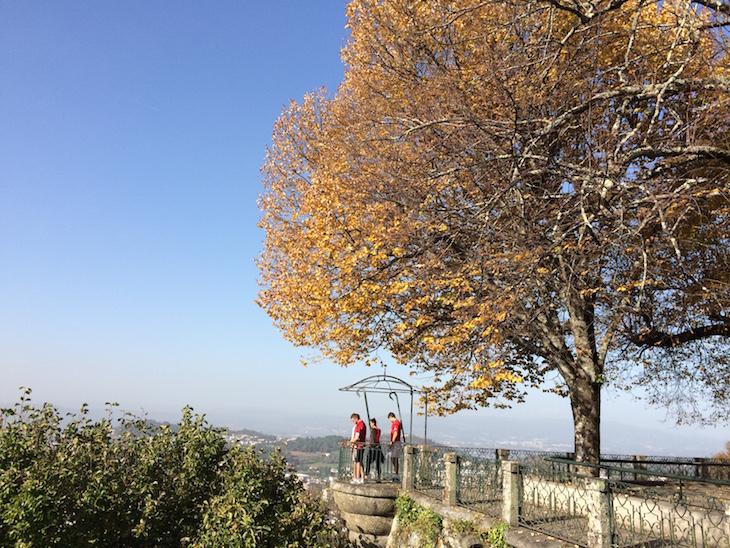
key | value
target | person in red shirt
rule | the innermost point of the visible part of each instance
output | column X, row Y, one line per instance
column 375, row 454
column 396, row 431
column 358, row 448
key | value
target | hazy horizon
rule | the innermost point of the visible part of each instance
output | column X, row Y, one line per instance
column 518, row 428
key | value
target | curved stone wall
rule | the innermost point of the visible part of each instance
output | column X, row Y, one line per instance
column 368, row 510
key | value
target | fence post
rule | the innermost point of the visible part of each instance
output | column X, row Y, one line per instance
column 639, row 464
column 599, row 518
column 701, row 467
column 571, row 469
column 451, row 463
column 511, row 479
column 409, row 469
column 502, row 454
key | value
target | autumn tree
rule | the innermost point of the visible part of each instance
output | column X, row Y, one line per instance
column 513, row 194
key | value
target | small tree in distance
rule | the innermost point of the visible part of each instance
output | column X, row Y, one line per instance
column 502, row 194
column 721, row 472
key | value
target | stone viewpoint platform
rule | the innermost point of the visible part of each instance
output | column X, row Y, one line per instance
column 368, row 510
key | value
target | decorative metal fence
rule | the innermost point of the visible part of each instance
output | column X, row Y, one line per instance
column 479, row 481
column 535, row 458
column 688, row 467
column 645, row 507
column 637, row 501
column 555, row 502
column 429, row 471
column 638, row 504
column 378, row 462
column 646, row 515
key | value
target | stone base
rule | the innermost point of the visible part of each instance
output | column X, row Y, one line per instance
column 368, row 510
column 367, row 541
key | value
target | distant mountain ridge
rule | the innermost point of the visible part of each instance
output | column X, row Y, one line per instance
column 485, row 431
column 546, row 434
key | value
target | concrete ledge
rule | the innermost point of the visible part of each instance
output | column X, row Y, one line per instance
column 368, row 489
column 361, row 504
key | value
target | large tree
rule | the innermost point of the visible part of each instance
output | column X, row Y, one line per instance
column 506, row 194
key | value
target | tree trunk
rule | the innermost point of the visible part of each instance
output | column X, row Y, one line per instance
column 585, row 402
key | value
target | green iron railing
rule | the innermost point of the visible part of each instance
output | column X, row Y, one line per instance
column 555, row 501
column 377, row 460
column 688, row 467
column 479, row 481
column 429, row 471
column 644, row 504
column 653, row 509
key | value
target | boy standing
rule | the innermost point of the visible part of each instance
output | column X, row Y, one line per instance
column 395, row 441
column 358, row 448
column 375, row 454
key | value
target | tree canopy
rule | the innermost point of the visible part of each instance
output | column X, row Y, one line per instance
column 506, row 194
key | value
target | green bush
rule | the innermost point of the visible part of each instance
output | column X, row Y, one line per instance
column 261, row 505
column 493, row 536
column 73, row 481
column 412, row 517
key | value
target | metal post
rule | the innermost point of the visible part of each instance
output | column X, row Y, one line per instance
column 639, row 464
column 425, row 419
column 701, row 467
column 367, row 409
column 410, row 428
column 502, row 454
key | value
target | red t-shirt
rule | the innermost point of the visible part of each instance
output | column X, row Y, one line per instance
column 360, row 432
column 395, row 430
column 374, row 434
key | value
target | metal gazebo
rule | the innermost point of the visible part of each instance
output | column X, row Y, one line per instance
column 385, row 384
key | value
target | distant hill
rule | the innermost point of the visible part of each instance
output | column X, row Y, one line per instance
column 304, row 444
column 324, row 444
column 252, row 434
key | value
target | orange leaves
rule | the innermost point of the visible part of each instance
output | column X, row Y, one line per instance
column 494, row 373
column 501, row 183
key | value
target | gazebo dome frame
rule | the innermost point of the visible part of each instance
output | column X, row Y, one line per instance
column 385, row 384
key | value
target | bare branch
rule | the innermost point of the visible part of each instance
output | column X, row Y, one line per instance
column 652, row 337
column 716, row 5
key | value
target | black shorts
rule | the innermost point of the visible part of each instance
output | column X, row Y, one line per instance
column 357, row 456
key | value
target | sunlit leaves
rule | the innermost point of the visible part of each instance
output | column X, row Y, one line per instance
column 502, row 190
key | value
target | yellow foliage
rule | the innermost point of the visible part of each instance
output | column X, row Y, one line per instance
column 482, row 170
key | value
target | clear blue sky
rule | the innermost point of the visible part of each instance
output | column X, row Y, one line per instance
column 131, row 137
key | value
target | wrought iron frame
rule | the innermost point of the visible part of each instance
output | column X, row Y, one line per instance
column 387, row 384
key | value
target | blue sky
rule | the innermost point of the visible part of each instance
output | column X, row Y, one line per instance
column 131, row 137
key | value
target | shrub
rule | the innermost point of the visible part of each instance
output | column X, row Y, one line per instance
column 493, row 536
column 413, row 517
column 73, row 482
column 261, row 505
